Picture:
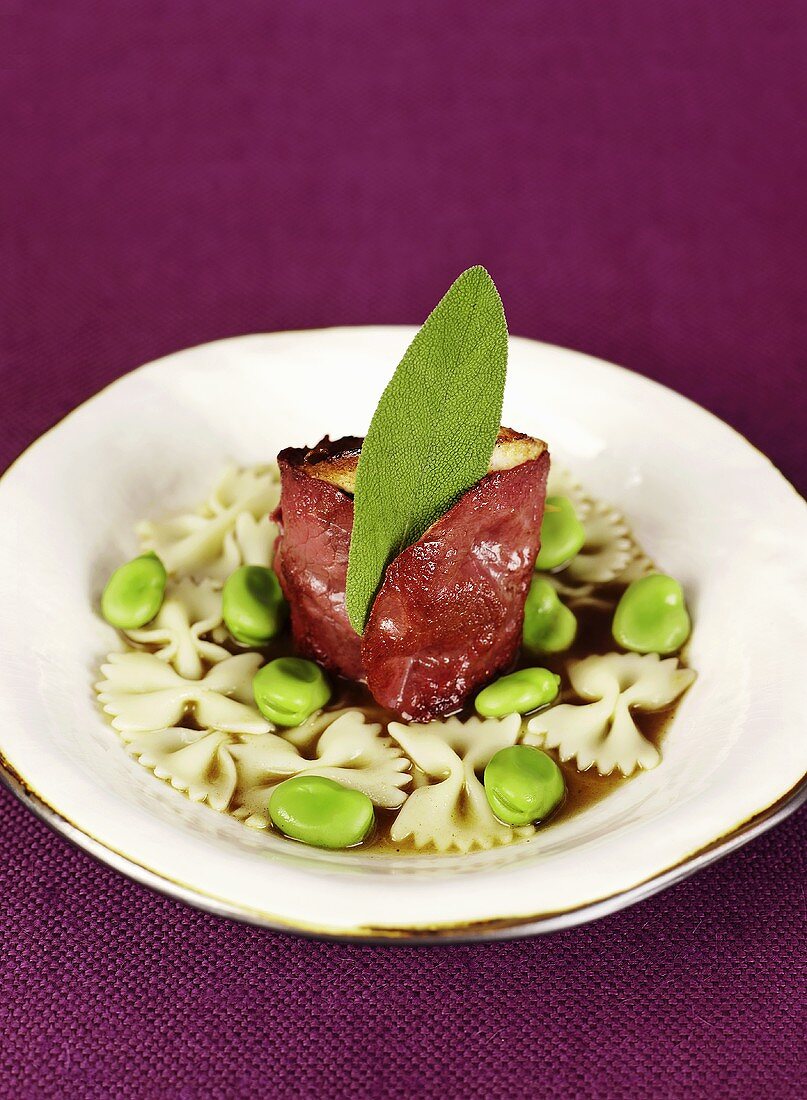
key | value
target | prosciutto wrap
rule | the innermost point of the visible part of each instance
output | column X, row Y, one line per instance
column 449, row 612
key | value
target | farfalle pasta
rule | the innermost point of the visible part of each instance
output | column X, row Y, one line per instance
column 250, row 542
column 609, row 554
column 196, row 762
column 450, row 811
column 184, row 627
column 349, row 750
column 607, row 550
column 238, row 772
column 214, row 539
column 140, row 692
column 601, row 732
column 185, row 698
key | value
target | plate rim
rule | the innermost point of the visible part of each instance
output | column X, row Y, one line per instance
column 450, row 933
column 472, row 931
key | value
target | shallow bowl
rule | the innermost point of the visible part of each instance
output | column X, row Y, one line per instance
column 708, row 507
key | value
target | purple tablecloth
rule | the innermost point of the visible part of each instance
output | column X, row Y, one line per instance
column 632, row 174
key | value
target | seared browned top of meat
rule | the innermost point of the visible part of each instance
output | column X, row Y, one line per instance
column 448, row 614
column 336, row 461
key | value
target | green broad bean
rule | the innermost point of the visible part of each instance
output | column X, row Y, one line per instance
column 652, row 616
column 518, row 693
column 549, row 626
column 523, row 785
column 562, row 534
column 252, row 605
column 321, row 812
column 289, row 689
column 135, row 592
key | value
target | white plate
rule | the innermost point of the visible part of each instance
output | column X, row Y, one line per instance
column 703, row 502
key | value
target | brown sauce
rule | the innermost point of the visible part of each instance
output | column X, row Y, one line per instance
column 583, row 789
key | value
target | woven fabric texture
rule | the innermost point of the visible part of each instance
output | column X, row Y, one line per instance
column 632, row 174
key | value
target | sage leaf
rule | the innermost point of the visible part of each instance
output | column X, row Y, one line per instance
column 432, row 435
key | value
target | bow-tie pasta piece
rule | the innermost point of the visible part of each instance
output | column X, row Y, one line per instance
column 577, row 596
column 602, row 732
column 197, row 762
column 354, row 752
column 189, row 612
column 452, row 811
column 141, row 692
column 607, row 549
column 610, row 553
column 251, row 542
column 207, row 542
column 350, row 751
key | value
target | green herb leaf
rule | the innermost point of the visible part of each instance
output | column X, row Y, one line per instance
column 433, row 432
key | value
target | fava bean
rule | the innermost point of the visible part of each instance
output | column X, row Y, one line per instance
column 288, row 690
column 135, row 592
column 562, row 534
column 518, row 693
column 549, row 626
column 252, row 605
column 321, row 812
column 523, row 785
column 652, row 616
